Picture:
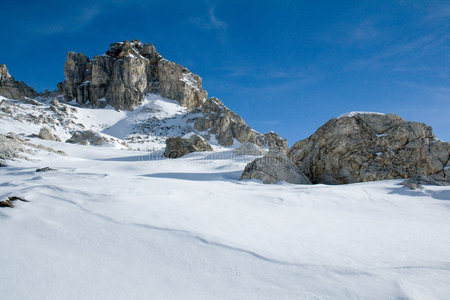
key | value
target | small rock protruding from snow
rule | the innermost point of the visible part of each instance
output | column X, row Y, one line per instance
column 46, row 134
column 180, row 146
column 87, row 137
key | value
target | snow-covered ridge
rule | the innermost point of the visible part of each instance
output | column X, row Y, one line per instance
column 355, row 113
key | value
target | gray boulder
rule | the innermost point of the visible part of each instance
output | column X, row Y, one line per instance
column 180, row 146
column 249, row 149
column 127, row 72
column 274, row 167
column 87, row 137
column 46, row 134
column 10, row 88
column 370, row 146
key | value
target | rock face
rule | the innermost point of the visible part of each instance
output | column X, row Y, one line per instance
column 226, row 125
column 87, row 137
column 10, row 88
column 369, row 146
column 180, row 146
column 274, row 167
column 127, row 72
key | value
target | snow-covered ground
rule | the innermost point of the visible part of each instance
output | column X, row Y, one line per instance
column 120, row 224
column 111, row 223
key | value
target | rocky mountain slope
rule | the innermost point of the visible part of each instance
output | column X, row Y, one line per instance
column 144, row 99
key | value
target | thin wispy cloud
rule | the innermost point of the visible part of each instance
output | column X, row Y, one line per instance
column 209, row 20
column 76, row 21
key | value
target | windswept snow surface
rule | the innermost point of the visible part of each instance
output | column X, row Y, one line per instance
column 111, row 223
column 121, row 224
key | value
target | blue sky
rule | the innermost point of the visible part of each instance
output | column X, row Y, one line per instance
column 286, row 66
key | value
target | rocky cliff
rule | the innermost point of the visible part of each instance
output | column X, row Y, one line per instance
column 125, row 74
column 10, row 88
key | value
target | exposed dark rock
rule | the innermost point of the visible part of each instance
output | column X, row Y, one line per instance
column 45, row 169
column 274, row 167
column 9, row 201
column 14, row 198
column 180, row 146
column 6, row 203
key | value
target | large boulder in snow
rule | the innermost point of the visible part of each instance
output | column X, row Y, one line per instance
column 274, row 167
column 370, row 146
column 10, row 88
column 87, row 137
column 127, row 72
column 180, row 146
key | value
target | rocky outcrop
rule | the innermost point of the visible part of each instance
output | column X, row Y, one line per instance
column 87, row 137
column 274, row 141
column 46, row 134
column 180, row 146
column 274, row 167
column 10, row 148
column 127, row 72
column 370, row 146
column 226, row 126
column 249, row 149
column 10, row 88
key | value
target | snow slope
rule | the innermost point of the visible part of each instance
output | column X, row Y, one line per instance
column 121, row 224
column 145, row 128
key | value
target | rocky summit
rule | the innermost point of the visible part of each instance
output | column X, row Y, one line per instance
column 125, row 74
column 361, row 147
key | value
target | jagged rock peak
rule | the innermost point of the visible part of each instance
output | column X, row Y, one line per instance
column 10, row 88
column 125, row 73
column 4, row 74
